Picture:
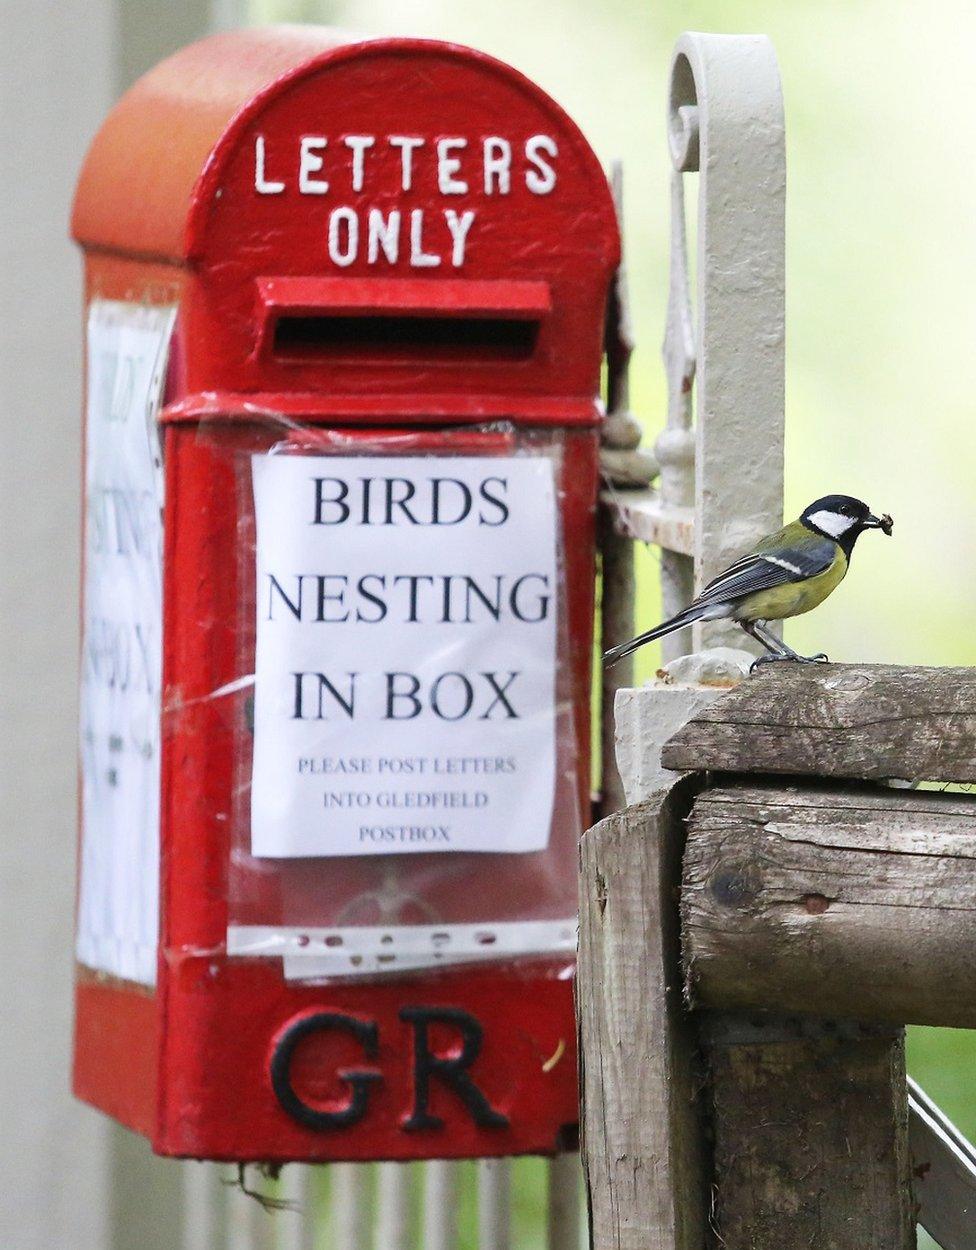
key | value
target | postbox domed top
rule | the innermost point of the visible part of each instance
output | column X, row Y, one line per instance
column 407, row 205
column 152, row 176
column 136, row 187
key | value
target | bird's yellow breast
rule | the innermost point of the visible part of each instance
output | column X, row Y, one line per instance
column 793, row 598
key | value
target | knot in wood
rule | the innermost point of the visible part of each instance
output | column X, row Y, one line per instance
column 735, row 885
column 847, row 683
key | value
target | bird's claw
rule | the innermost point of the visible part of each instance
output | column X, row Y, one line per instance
column 820, row 658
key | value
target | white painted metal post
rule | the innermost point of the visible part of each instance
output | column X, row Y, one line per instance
column 204, row 1204
column 726, row 119
column 494, row 1204
column 944, row 1167
column 295, row 1225
column 441, row 1189
column 249, row 1225
column 620, row 438
column 397, row 1183
column 350, row 1207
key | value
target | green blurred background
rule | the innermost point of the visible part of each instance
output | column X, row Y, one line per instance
column 881, row 306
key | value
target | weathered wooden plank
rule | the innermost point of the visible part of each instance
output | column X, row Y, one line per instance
column 869, row 721
column 848, row 902
column 640, row 1127
column 810, row 1129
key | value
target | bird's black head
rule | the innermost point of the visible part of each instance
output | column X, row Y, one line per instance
column 843, row 518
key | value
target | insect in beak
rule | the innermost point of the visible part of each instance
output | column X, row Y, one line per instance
column 883, row 523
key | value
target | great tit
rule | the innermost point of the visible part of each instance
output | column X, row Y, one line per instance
column 785, row 574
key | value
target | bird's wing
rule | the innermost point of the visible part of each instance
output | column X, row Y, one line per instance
column 791, row 555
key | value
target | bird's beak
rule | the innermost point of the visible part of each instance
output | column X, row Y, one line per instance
column 883, row 523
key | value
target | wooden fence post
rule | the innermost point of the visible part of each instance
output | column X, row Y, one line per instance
column 809, row 1120
column 642, row 1154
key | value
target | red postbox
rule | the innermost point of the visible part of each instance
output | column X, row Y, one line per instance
column 345, row 311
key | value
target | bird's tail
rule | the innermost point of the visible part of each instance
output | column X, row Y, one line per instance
column 682, row 619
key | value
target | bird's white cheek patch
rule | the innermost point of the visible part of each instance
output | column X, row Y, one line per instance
column 832, row 523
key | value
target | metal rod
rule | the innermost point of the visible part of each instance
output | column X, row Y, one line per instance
column 397, row 1182
column 249, row 1226
column 295, row 1226
column 350, row 1206
column 616, row 551
column 204, row 1207
column 494, row 1204
column 564, row 1225
column 944, row 1168
column 675, row 446
column 441, row 1188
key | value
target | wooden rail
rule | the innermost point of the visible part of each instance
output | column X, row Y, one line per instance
column 854, row 903
column 870, row 721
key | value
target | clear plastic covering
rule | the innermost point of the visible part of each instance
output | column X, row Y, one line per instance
column 407, row 778
column 118, row 898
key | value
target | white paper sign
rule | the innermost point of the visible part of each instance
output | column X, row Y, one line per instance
column 121, row 652
column 405, row 657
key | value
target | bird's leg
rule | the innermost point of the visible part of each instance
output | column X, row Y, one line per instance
column 787, row 651
column 777, row 648
column 774, row 648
